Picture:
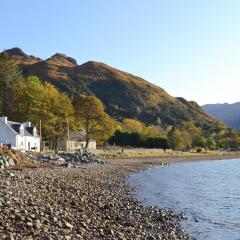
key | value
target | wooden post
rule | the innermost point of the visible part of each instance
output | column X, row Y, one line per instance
column 40, row 131
column 68, row 133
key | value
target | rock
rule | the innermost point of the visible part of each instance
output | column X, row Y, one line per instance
column 46, row 237
column 83, row 224
column 81, row 230
column 11, row 162
column 11, row 174
column 68, row 225
column 9, row 237
column 38, row 224
column 29, row 224
column 65, row 158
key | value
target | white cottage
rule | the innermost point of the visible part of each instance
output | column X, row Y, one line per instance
column 20, row 136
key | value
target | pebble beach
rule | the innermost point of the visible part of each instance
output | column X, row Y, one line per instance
column 92, row 201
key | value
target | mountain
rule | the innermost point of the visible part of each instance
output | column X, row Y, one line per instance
column 123, row 94
column 228, row 113
column 20, row 56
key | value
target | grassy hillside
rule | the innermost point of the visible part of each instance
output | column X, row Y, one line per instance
column 123, row 94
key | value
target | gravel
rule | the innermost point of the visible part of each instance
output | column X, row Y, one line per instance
column 89, row 202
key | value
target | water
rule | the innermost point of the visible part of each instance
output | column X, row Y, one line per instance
column 207, row 192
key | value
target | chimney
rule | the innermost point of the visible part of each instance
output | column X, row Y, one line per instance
column 27, row 124
column 4, row 119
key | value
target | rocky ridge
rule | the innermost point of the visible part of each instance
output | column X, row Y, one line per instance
column 124, row 95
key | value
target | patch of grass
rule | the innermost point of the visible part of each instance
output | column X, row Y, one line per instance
column 158, row 153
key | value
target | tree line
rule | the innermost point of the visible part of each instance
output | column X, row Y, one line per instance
column 29, row 99
column 185, row 137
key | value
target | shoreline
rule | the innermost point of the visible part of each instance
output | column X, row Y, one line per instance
column 90, row 202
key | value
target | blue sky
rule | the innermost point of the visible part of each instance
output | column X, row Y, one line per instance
column 191, row 48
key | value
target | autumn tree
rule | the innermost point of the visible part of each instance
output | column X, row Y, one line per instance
column 37, row 101
column 90, row 115
column 60, row 109
column 133, row 125
column 10, row 77
column 30, row 100
column 153, row 131
column 191, row 134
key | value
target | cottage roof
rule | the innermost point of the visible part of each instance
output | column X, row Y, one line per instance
column 27, row 130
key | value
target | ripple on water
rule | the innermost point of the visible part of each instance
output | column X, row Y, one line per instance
column 208, row 192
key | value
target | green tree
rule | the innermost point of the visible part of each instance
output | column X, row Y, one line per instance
column 175, row 139
column 211, row 142
column 199, row 141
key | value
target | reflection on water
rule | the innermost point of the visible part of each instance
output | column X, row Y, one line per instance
column 208, row 192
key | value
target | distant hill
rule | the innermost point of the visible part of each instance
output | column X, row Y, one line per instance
column 123, row 94
column 228, row 113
